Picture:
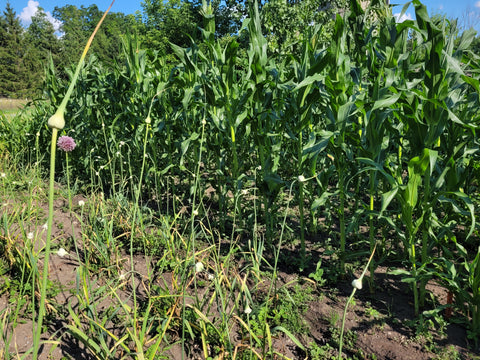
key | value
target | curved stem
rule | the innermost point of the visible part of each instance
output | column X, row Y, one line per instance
column 44, row 283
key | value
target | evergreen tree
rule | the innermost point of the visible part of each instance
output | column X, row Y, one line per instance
column 75, row 30
column 12, row 73
column 41, row 43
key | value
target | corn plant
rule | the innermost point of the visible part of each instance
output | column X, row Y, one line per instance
column 378, row 127
column 461, row 275
column 427, row 113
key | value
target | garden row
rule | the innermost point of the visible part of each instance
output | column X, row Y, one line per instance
column 378, row 127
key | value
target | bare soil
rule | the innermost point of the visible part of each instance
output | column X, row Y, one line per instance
column 378, row 326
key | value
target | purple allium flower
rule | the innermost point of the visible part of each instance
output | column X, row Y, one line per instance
column 66, row 143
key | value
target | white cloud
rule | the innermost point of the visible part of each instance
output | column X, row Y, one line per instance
column 406, row 16
column 56, row 23
column 31, row 9
column 477, row 4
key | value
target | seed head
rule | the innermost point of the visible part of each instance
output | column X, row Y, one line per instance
column 66, row 143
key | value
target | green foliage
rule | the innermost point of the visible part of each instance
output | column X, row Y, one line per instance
column 286, row 21
column 369, row 121
column 42, row 44
column 77, row 24
column 12, row 69
column 172, row 21
column 318, row 275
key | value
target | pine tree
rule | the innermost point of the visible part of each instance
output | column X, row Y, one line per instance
column 41, row 43
column 12, row 71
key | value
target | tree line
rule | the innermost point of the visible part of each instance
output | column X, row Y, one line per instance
column 26, row 52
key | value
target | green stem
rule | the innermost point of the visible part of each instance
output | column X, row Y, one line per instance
column 372, row 232
column 423, row 282
column 424, row 254
column 68, row 185
column 341, row 213
column 413, row 257
column 414, row 275
column 134, row 218
column 300, row 203
column 474, row 283
column 44, row 283
column 237, row 207
column 302, row 225
column 360, row 279
column 343, row 324
column 410, row 247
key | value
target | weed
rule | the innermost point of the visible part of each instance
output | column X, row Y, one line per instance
column 448, row 353
column 371, row 312
column 317, row 352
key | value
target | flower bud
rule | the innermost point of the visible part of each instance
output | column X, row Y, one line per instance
column 57, row 121
column 199, row 267
column 62, row 252
column 357, row 284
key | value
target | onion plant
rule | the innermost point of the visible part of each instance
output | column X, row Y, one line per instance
column 56, row 122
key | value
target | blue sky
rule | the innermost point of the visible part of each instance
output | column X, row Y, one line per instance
column 468, row 11
column 26, row 8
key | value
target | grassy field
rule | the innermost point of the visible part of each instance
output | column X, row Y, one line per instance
column 9, row 107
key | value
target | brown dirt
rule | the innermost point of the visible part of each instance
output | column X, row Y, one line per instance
column 381, row 321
